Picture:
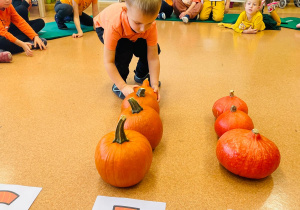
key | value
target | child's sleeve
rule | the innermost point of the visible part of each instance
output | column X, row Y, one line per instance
column 259, row 23
column 236, row 26
column 21, row 24
column 6, row 34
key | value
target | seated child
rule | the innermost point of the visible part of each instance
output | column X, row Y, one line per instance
column 187, row 9
column 23, row 37
column 67, row 10
column 128, row 29
column 216, row 8
column 250, row 21
column 166, row 9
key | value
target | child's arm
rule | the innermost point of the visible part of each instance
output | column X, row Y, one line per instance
column 154, row 68
column 26, row 47
column 113, row 73
column 76, row 20
column 227, row 5
column 186, row 12
column 95, row 10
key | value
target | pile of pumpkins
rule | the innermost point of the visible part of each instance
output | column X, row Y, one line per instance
column 241, row 149
column 123, row 157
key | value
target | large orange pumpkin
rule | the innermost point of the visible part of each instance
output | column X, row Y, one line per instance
column 232, row 119
column 123, row 158
column 247, row 153
column 143, row 98
column 144, row 120
column 223, row 104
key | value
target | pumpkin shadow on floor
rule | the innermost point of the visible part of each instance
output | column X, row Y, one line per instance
column 256, row 191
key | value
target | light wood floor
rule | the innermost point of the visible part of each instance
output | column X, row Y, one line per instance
column 56, row 106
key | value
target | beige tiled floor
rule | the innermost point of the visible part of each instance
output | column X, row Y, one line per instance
column 56, row 106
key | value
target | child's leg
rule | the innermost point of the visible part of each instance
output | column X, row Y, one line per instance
column 140, row 51
column 6, row 45
column 275, row 17
column 179, row 7
column 124, row 54
column 218, row 10
column 86, row 19
column 206, row 10
column 195, row 10
column 37, row 25
column 166, row 8
column 62, row 10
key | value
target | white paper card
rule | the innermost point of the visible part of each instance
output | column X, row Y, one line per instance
column 113, row 203
column 19, row 197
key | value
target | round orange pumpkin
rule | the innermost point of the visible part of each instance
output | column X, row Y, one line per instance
column 142, row 98
column 223, row 104
column 148, row 89
column 144, row 120
column 247, row 153
column 123, row 158
column 232, row 119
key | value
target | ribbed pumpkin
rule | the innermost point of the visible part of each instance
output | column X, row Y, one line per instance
column 148, row 89
column 247, row 153
column 144, row 120
column 123, row 158
column 225, row 103
column 232, row 119
column 142, row 98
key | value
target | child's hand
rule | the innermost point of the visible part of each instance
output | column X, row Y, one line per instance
column 39, row 42
column 127, row 89
column 27, row 48
column 80, row 34
column 182, row 15
column 226, row 9
column 156, row 90
column 250, row 31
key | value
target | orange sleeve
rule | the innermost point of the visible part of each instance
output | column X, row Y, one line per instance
column 22, row 24
column 152, row 37
column 111, row 38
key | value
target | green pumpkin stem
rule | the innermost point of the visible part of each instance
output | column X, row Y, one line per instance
column 120, row 136
column 135, row 107
column 141, row 92
column 231, row 93
column 233, row 108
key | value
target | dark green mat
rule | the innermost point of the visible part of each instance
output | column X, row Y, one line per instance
column 50, row 31
column 228, row 18
column 290, row 22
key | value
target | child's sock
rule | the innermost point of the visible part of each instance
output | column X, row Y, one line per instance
column 276, row 17
column 186, row 18
column 5, row 57
column 116, row 90
column 161, row 16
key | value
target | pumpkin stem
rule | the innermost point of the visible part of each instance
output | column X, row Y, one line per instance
column 233, row 108
column 231, row 93
column 135, row 107
column 255, row 131
column 256, row 134
column 120, row 136
column 141, row 92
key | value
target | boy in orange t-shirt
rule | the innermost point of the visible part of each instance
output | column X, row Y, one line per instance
column 128, row 29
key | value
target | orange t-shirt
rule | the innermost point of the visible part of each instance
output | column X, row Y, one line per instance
column 113, row 19
column 169, row 2
column 10, row 15
column 82, row 4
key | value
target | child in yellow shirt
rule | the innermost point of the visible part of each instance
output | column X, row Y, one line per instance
column 250, row 21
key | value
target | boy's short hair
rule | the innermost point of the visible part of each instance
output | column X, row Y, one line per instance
column 259, row 2
column 148, row 7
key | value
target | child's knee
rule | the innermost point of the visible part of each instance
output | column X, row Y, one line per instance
column 218, row 17
column 203, row 16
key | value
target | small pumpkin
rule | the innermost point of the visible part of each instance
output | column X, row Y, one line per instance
column 232, row 119
column 144, row 120
column 123, row 157
column 148, row 88
column 223, row 104
column 247, row 153
column 142, row 98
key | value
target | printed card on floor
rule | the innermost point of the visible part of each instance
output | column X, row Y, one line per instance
column 19, row 197
column 114, row 203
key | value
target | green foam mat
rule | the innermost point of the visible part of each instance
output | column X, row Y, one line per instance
column 51, row 31
column 228, row 18
column 290, row 22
